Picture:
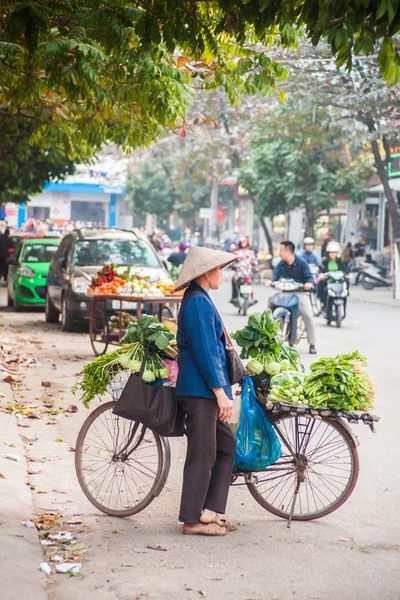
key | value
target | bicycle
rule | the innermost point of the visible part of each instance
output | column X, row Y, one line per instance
column 122, row 466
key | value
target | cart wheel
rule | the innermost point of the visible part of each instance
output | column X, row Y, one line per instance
column 121, row 465
column 98, row 332
column 319, row 457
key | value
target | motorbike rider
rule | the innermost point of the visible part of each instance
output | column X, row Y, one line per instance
column 243, row 266
column 331, row 263
column 178, row 258
column 294, row 267
column 308, row 253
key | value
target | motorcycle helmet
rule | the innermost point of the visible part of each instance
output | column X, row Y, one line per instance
column 243, row 242
column 333, row 247
column 308, row 241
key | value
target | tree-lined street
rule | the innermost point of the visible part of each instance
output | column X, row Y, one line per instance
column 352, row 553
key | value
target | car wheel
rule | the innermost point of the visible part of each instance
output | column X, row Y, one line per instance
column 51, row 314
column 66, row 321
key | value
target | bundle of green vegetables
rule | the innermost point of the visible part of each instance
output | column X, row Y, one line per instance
column 260, row 341
column 341, row 383
column 146, row 332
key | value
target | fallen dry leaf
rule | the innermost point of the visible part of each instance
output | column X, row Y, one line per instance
column 202, row 593
column 58, row 440
column 159, row 548
column 2, row 476
column 42, row 492
column 32, row 472
column 9, row 379
column 46, row 384
column 72, row 408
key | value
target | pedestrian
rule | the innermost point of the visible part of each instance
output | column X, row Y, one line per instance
column 294, row 267
column 205, row 394
column 6, row 245
column 348, row 254
column 360, row 248
column 178, row 258
column 327, row 239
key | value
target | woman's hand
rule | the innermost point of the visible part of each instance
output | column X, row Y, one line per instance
column 225, row 405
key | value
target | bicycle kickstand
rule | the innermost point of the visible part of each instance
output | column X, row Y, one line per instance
column 296, row 493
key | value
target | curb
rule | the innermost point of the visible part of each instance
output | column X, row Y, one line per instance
column 20, row 551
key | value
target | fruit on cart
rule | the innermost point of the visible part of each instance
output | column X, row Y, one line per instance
column 106, row 274
column 120, row 321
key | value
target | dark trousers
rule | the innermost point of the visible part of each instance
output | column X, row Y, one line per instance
column 209, row 460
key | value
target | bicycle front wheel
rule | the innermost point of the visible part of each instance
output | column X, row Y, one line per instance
column 121, row 465
column 319, row 460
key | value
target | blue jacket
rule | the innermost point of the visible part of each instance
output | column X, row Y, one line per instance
column 201, row 341
column 298, row 271
column 311, row 258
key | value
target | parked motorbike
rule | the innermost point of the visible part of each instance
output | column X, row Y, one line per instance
column 245, row 297
column 315, row 301
column 285, row 310
column 336, row 297
column 371, row 276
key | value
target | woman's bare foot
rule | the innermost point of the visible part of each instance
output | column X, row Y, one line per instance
column 209, row 516
column 203, row 529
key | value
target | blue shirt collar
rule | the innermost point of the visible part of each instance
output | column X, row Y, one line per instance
column 196, row 287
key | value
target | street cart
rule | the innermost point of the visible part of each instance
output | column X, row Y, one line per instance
column 111, row 314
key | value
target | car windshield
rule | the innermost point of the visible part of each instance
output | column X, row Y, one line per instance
column 96, row 253
column 38, row 253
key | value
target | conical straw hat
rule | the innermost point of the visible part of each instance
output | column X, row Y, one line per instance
column 200, row 261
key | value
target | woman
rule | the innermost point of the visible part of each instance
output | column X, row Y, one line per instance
column 205, row 393
column 330, row 263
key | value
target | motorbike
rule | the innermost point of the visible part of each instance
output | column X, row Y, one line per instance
column 245, row 297
column 371, row 276
column 285, row 310
column 336, row 297
column 315, row 301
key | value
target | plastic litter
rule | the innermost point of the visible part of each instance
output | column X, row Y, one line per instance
column 45, row 567
column 73, row 568
column 13, row 457
column 28, row 524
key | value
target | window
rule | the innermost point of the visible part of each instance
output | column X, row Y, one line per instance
column 39, row 253
column 124, row 253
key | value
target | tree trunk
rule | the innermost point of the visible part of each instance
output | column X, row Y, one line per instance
column 310, row 217
column 266, row 233
column 381, row 167
column 391, row 202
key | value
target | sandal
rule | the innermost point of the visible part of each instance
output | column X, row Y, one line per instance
column 228, row 525
column 205, row 529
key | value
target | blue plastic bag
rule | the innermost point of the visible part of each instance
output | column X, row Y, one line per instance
column 257, row 444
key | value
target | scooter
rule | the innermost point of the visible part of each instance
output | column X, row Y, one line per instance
column 371, row 276
column 245, row 297
column 336, row 297
column 315, row 301
column 285, row 310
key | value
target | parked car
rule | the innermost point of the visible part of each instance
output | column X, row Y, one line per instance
column 80, row 255
column 27, row 272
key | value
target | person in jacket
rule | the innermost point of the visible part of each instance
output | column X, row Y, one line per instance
column 308, row 253
column 294, row 267
column 205, row 394
column 178, row 258
column 331, row 263
column 6, row 244
column 244, row 267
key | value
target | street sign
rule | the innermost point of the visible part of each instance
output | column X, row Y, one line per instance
column 205, row 213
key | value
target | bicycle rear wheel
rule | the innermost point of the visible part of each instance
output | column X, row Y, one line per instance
column 319, row 460
column 121, row 465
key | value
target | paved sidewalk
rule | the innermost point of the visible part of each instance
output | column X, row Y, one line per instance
column 20, row 552
column 383, row 296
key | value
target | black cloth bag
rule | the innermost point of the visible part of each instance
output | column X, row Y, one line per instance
column 236, row 369
column 156, row 406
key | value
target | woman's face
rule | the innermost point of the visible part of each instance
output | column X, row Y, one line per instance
column 215, row 278
column 333, row 255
